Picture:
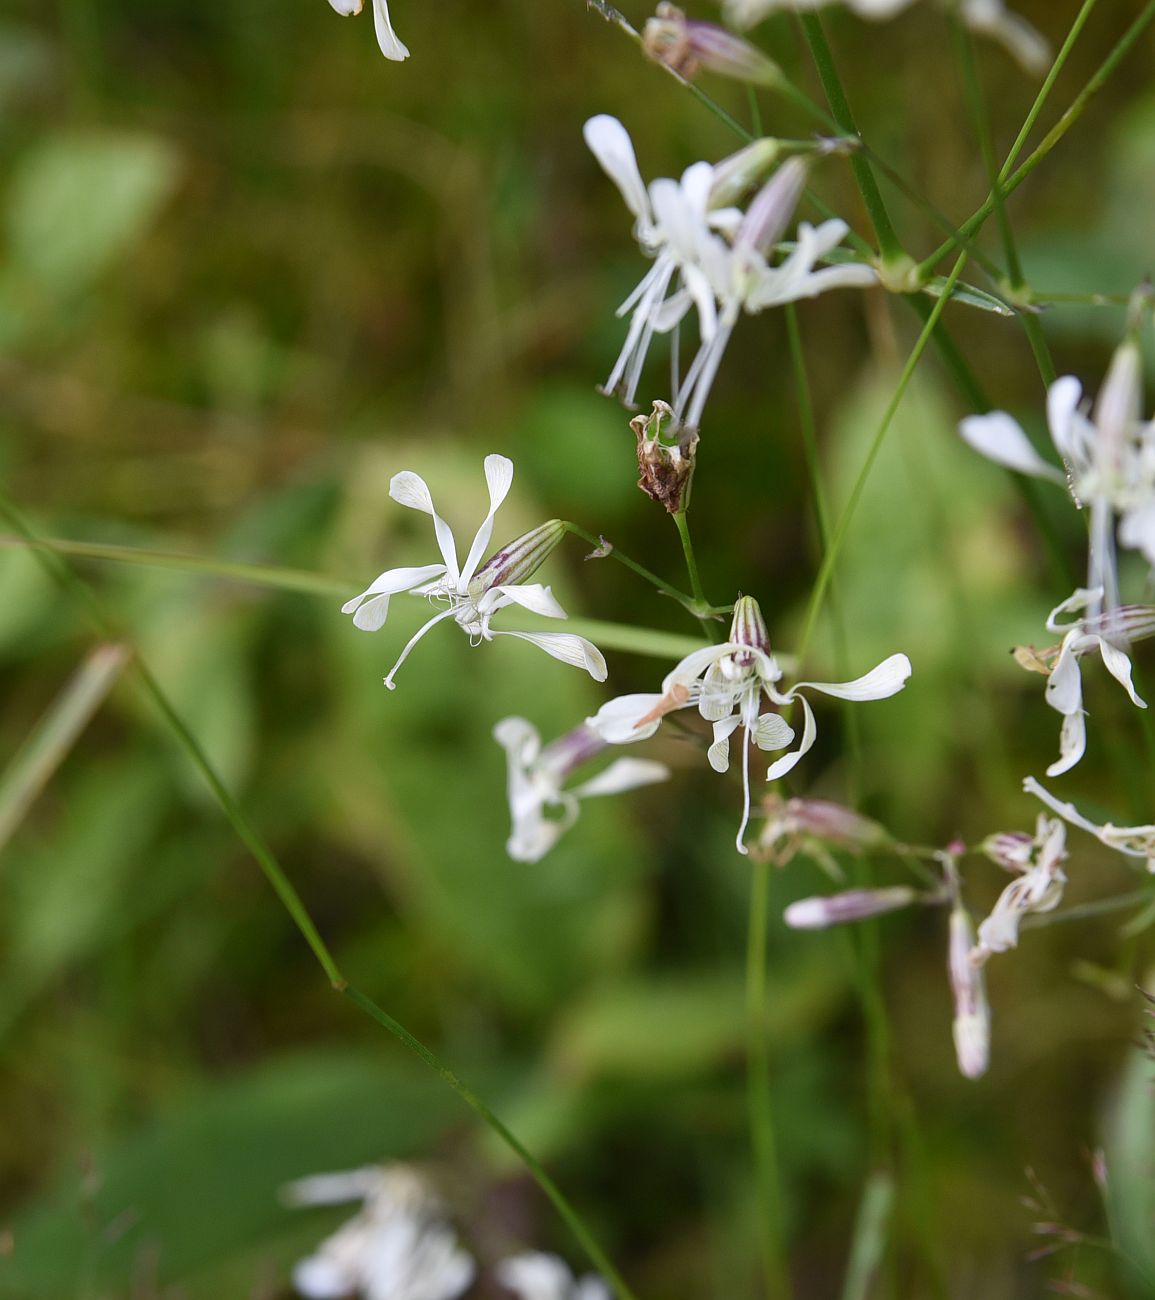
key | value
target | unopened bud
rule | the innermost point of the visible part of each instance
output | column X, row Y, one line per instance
column 770, row 211
column 1011, row 850
column 687, row 46
column 852, row 905
column 740, row 172
column 748, row 626
column 665, row 464
column 810, row 825
column 972, row 1015
column 518, row 560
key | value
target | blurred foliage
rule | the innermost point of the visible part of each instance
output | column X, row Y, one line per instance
column 249, row 271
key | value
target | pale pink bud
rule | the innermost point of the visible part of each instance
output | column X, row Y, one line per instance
column 740, row 172
column 852, row 905
column 687, row 46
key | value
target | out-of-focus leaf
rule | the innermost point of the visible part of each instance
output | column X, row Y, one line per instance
column 197, row 1189
column 78, row 201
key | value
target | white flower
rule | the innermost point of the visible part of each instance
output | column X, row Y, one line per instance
column 988, row 17
column 1134, row 841
column 1038, row 888
column 726, row 684
column 1105, row 633
column 387, row 39
column 1109, row 457
column 537, row 1276
column 474, row 592
column 673, row 224
column 719, row 256
column 540, row 810
column 397, row 1247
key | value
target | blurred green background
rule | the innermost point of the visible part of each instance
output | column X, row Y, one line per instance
column 250, row 270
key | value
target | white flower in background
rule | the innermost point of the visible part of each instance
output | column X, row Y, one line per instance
column 398, row 1246
column 813, row 827
column 726, row 684
column 743, row 279
column 673, row 224
column 473, row 592
column 719, row 256
column 1038, row 887
column 1134, row 841
column 1104, row 634
column 540, row 810
column 972, row 1014
column 987, row 17
column 537, row 1276
column 1109, row 457
column 387, row 39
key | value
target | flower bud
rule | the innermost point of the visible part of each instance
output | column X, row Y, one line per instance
column 769, row 214
column 748, row 626
column 665, row 468
column 811, row 826
column 972, row 1016
column 686, row 46
column 852, row 905
column 518, row 560
column 1011, row 850
column 736, row 175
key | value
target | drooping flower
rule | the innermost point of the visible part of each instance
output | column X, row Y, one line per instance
column 987, row 17
column 538, row 1276
column 715, row 259
column 474, row 591
column 1109, row 460
column 387, row 38
column 726, row 683
column 1133, row 841
column 1037, row 887
column 813, row 827
column 541, row 811
column 1106, row 634
column 398, row 1246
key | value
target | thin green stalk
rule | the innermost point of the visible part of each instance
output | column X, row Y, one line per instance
column 836, row 541
column 291, row 900
column 600, row 543
column 892, row 252
column 683, row 525
column 771, row 1238
column 572, row 1220
column 1012, row 180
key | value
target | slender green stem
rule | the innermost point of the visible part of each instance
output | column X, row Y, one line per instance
column 581, row 1233
column 682, row 522
column 600, row 544
column 290, row 899
column 840, row 531
column 260, row 575
column 1012, row 180
column 771, row 1237
column 888, row 242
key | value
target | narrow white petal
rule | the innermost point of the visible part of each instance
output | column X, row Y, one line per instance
column 410, row 490
column 346, row 7
column 1015, row 34
column 610, row 144
column 437, row 618
column 879, row 684
column 499, row 479
column 533, row 834
column 1001, row 439
column 533, row 596
column 619, row 721
column 1137, row 531
column 568, row 648
column 519, row 738
column 1064, row 691
column 621, row 775
column 392, row 581
column 784, row 764
column 1073, row 434
column 371, row 614
column 387, row 39
column 334, row 1189
column 718, row 755
column 1082, row 598
column 1119, row 666
column 1072, row 743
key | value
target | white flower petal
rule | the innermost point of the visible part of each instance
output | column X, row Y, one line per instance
column 1137, row 530
column 610, row 143
column 533, row 596
column 1072, row 743
column 499, row 479
column 781, row 766
column 887, row 679
column 568, row 648
column 334, row 1189
column 617, row 721
column 1119, row 666
column 391, row 47
column 1073, row 434
column 410, row 490
column 1015, row 34
column 369, row 615
column 393, row 581
column 1064, row 690
column 621, row 775
column 773, row 732
column 718, row 755
column 346, row 7
column 1001, row 439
